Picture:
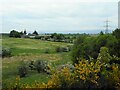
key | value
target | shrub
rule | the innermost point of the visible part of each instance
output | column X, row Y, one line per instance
column 42, row 66
column 37, row 37
column 87, row 74
column 69, row 66
column 23, row 69
column 31, row 65
column 58, row 49
column 61, row 79
column 62, row 49
column 6, row 52
column 65, row 49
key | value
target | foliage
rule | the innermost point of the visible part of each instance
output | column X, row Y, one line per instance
column 86, row 74
column 57, row 37
column 42, row 66
column 114, row 76
column 6, row 52
column 62, row 49
column 15, row 34
column 25, row 32
column 23, row 69
column 88, row 46
column 31, row 65
column 116, row 33
column 104, row 55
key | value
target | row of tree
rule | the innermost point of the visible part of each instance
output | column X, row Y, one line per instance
column 17, row 34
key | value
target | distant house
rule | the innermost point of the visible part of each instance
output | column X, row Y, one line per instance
column 32, row 35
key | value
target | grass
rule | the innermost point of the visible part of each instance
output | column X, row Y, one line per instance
column 27, row 50
column 20, row 46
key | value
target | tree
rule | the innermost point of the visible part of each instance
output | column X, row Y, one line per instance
column 25, row 32
column 104, row 55
column 116, row 33
column 57, row 37
column 16, row 34
column 78, row 50
column 101, row 33
column 35, row 32
column 88, row 46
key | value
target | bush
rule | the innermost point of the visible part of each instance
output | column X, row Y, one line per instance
column 22, row 70
column 58, row 49
column 69, row 66
column 62, row 49
column 65, row 49
column 6, row 52
column 31, row 65
column 37, row 37
column 42, row 66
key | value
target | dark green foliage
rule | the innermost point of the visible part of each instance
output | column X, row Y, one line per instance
column 101, row 33
column 6, row 52
column 16, row 34
column 22, row 70
column 37, row 37
column 42, row 66
column 25, row 32
column 58, row 49
column 81, row 48
column 115, row 60
column 31, row 65
column 89, row 46
column 116, row 33
column 62, row 49
column 58, row 37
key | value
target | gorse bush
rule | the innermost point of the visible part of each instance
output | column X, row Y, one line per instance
column 89, row 75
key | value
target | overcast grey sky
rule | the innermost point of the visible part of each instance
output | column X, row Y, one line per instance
column 58, row 15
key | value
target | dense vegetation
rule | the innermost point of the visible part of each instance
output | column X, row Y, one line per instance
column 88, row 47
column 95, row 62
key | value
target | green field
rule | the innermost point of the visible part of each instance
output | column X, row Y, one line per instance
column 30, row 49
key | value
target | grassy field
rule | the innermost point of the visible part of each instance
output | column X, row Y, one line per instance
column 27, row 50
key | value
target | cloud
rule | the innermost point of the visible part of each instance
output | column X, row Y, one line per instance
column 57, row 15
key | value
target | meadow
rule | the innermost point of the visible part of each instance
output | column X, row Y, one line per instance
column 91, row 62
column 24, row 49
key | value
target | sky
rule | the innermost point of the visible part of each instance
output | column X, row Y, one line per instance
column 61, row 16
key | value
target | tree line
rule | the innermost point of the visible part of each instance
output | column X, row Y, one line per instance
column 88, row 47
